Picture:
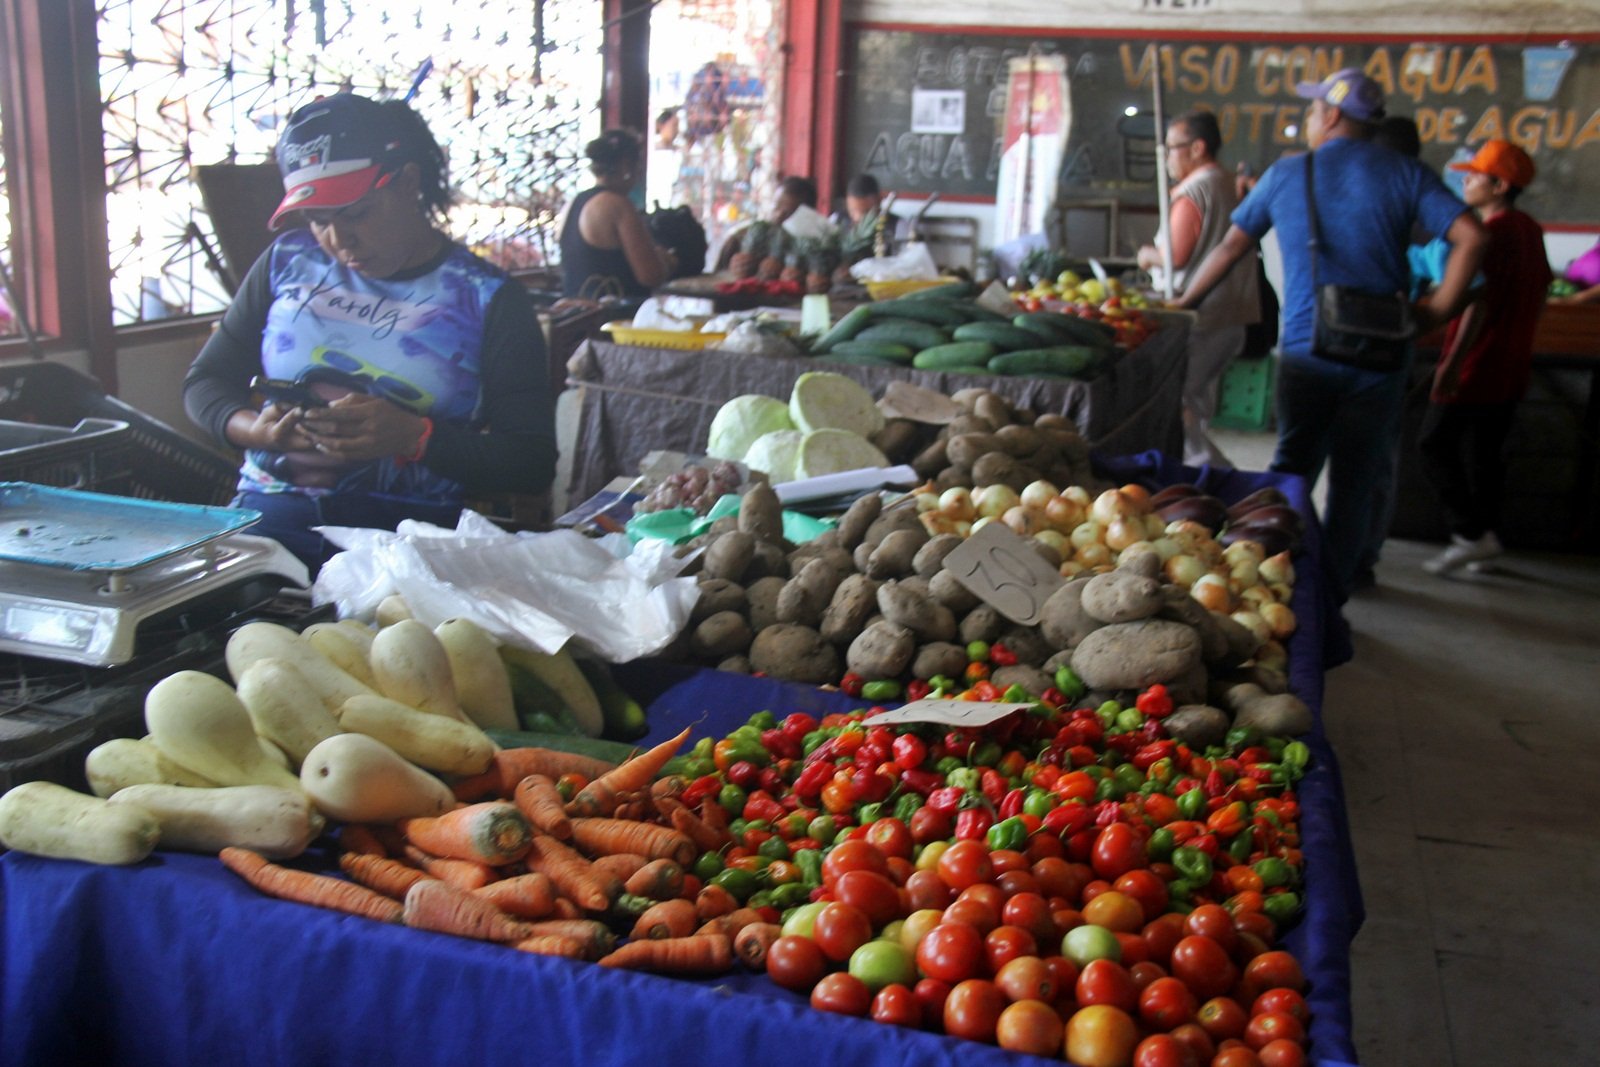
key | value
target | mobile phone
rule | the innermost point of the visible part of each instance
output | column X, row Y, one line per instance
column 285, row 393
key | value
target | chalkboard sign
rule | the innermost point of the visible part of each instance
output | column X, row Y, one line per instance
column 924, row 110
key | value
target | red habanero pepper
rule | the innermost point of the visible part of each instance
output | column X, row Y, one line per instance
column 1001, row 656
column 922, row 781
column 811, row 780
column 1107, row 812
column 992, row 784
column 1206, row 843
column 1067, row 819
column 909, row 751
column 1011, row 803
column 762, row 805
column 851, row 684
column 771, row 780
column 1215, row 785
column 1155, row 702
column 1032, row 822
column 705, row 786
column 1053, row 696
column 742, row 773
column 987, row 692
column 916, row 689
column 781, row 743
column 799, row 724
column 946, row 799
column 1146, row 755
column 972, row 824
column 1228, row 820
column 869, row 787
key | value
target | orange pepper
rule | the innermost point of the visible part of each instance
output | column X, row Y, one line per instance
column 847, row 743
column 976, row 672
column 987, row 691
column 1011, row 764
column 1075, row 785
column 1244, row 900
column 1228, row 820
column 1246, row 788
column 1160, row 809
column 1242, row 878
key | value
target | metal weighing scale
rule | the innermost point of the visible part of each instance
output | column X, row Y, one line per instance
column 79, row 572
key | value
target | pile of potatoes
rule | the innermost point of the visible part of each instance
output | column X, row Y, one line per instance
column 993, row 443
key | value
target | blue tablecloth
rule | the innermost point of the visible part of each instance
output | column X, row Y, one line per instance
column 176, row 961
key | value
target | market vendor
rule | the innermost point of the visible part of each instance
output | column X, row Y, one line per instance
column 606, row 248
column 414, row 372
column 862, row 218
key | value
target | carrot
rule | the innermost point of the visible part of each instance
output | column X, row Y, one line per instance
column 713, row 900
column 572, row 874
column 493, row 832
column 552, row 945
column 543, row 807
column 381, row 874
column 599, row 797
column 695, row 829
column 671, row 786
column 670, row 918
column 463, row 874
column 715, row 816
column 740, row 918
column 512, row 765
column 434, row 905
column 318, row 890
column 623, row 865
column 565, row 909
column 527, row 896
column 604, row 836
column 658, row 880
column 751, row 943
column 634, row 810
column 358, row 837
column 595, row 937
column 476, row 787
column 712, row 954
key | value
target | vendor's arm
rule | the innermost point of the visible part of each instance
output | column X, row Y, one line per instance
column 1184, row 223
column 1590, row 295
column 611, row 213
column 1468, row 241
column 1232, row 248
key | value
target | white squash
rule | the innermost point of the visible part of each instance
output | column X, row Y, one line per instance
column 284, row 708
column 267, row 640
column 411, row 666
column 430, row 741
column 50, row 820
column 199, row 722
column 125, row 761
column 341, row 645
column 269, row 819
column 483, row 687
column 392, row 609
column 356, row 778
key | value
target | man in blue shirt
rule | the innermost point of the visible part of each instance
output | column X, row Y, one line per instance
column 1367, row 200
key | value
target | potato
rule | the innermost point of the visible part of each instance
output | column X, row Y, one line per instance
column 853, row 602
column 939, row 657
column 1135, row 655
column 768, row 559
column 795, row 654
column 820, row 578
column 1198, row 725
column 898, row 439
column 1190, row 687
column 1271, row 713
column 1047, row 552
column 1142, row 559
column 1121, row 596
column 1050, row 420
column 736, row 665
column 1062, row 620
column 760, row 513
column 1032, row 679
column 933, row 459
column 861, row 556
column 763, row 597
column 995, row 468
column 929, row 559
column 953, row 478
column 837, row 558
column 1019, row 441
column 907, row 607
column 1179, row 606
column 947, row 589
column 965, row 424
column 719, row 594
column 852, row 528
column 729, row 555
column 964, row 450
column 967, row 398
column 726, row 524
column 993, row 407
column 982, row 623
column 896, row 518
column 896, row 553
column 796, row 606
column 1242, row 641
column 721, row 635
column 883, row 650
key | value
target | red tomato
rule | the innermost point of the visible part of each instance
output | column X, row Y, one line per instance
column 965, row 863
column 1275, row 970
column 843, row 993
column 840, row 929
column 931, row 994
column 1117, row 850
column 1161, row 935
column 1006, row 943
column 1167, row 1004
column 1031, row 1027
column 891, row 837
column 1148, row 889
column 1010, row 883
column 1198, row 1041
column 1144, row 972
column 1105, row 982
column 1163, row 1050
column 950, row 952
column 1273, row 1026
column 927, row 890
column 873, row 893
column 900, row 869
column 1222, row 1018
column 796, row 962
column 1043, row 845
column 928, row 824
column 1133, row 948
column 1237, row 1056
column 1027, row 978
column 1204, row 965
column 1213, row 921
column 898, row 1006
column 1115, row 911
column 972, row 1010
column 1029, row 911
column 987, row 893
column 1005, row 859
column 852, row 855
column 1101, row 1036
column 1288, row 1001
column 1281, row 1052
column 974, row 913
column 1059, row 878
column 1258, row 923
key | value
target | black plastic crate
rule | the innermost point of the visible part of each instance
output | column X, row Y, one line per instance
column 162, row 464
column 94, row 455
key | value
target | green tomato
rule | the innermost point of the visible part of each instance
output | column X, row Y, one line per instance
column 801, row 921
column 1090, row 942
column 822, row 829
column 879, row 963
column 893, row 930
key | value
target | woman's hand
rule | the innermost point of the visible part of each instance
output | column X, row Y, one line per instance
column 272, row 429
column 358, row 427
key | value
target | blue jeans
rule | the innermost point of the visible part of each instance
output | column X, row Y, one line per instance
column 288, row 518
column 1346, row 419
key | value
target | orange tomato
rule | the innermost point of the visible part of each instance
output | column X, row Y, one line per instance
column 1101, row 1036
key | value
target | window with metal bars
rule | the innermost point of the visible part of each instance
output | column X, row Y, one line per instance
column 511, row 88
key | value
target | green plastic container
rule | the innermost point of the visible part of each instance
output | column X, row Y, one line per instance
column 1244, row 397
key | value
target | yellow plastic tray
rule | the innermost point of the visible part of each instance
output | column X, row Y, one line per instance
column 624, row 333
column 890, row 290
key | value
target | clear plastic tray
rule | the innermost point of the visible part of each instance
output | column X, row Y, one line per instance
column 82, row 531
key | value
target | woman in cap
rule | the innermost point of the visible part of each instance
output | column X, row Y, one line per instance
column 420, row 368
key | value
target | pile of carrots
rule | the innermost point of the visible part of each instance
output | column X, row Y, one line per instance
column 516, row 864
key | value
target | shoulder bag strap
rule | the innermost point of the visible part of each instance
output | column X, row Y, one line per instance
column 1311, row 217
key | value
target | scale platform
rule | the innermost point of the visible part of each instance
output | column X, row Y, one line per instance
column 80, row 571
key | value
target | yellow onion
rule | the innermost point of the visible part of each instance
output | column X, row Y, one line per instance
column 927, row 501
column 1087, row 533
column 995, row 500
column 1166, row 547
column 1255, row 596
column 1154, row 525
column 956, row 502
column 1242, row 549
column 980, row 523
column 1111, row 505
column 1212, row 592
column 1254, row 623
column 1024, row 521
column 1277, row 568
column 1056, row 540
column 1078, row 495
column 1135, row 550
column 1062, row 512
column 1071, row 568
column 1243, row 571
column 1093, row 556
column 1036, row 494
column 1124, row 532
column 1280, row 592
column 1280, row 618
column 1184, row 569
column 1273, row 655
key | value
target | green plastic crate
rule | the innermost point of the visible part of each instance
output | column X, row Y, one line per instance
column 1244, row 396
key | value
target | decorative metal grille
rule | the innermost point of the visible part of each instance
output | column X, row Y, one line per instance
column 511, row 88
column 8, row 323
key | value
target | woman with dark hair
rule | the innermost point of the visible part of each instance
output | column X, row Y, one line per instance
column 606, row 248
column 403, row 372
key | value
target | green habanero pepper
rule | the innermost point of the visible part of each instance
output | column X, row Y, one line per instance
column 907, row 806
column 740, row 883
column 987, row 754
column 1069, row 683
column 946, row 764
column 1281, row 907
column 764, row 720
column 1192, row 864
column 812, row 741
column 809, row 860
column 1107, row 789
column 708, row 866
column 1038, row 803
column 774, row 848
column 630, row 906
column 869, row 813
column 1273, row 871
column 1241, row 846
column 1015, row 694
column 822, row 829
column 791, row 895
column 881, row 689
column 1107, row 713
column 977, row 651
column 1010, row 834
column 964, row 778
column 1192, row 803
column 1241, row 737
column 1296, row 755
column 1128, row 777
column 1159, row 847
column 759, row 899
column 1129, row 719
column 732, row 797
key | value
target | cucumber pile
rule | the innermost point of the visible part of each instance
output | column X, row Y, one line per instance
column 945, row 329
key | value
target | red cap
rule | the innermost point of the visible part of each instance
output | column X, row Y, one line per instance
column 1503, row 160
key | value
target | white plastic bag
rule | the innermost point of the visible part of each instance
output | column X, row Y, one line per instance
column 911, row 263
column 530, row 590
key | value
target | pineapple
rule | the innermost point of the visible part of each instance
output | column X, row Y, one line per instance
column 777, row 248
column 752, row 246
column 821, row 258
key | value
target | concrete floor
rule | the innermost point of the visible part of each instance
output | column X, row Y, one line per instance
column 1467, row 731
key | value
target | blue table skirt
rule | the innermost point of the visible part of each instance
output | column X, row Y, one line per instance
column 176, row 961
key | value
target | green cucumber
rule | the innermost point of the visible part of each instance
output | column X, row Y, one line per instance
column 886, row 351
column 949, row 289
column 1076, row 322
column 957, row 354
column 624, row 716
column 1002, row 335
column 851, row 324
column 934, row 312
column 858, row 359
column 909, row 332
column 1066, row 360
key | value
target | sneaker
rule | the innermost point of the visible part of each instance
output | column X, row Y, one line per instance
column 1463, row 551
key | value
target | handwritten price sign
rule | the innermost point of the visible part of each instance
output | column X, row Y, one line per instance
column 947, row 712
column 1004, row 572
